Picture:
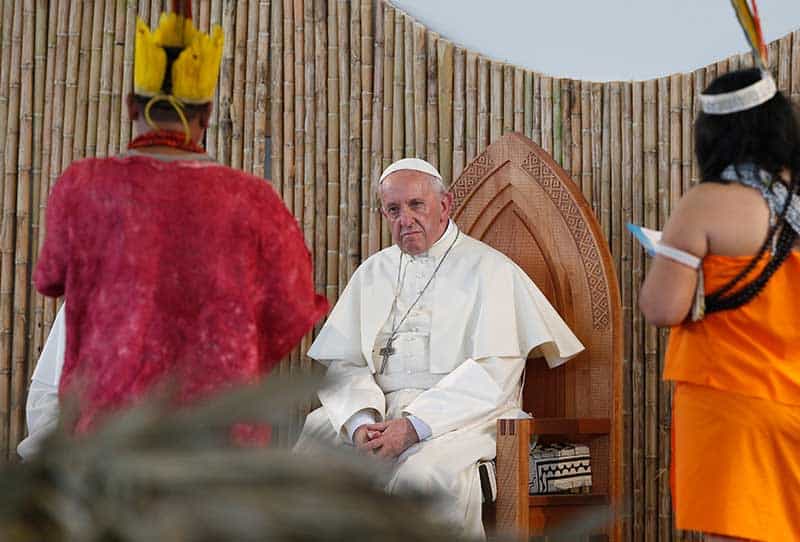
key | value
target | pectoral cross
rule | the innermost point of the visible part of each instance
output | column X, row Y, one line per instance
column 386, row 352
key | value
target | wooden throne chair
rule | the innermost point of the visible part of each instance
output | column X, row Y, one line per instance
column 515, row 198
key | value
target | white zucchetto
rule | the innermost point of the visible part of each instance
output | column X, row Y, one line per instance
column 414, row 164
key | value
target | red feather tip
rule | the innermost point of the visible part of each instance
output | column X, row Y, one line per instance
column 761, row 45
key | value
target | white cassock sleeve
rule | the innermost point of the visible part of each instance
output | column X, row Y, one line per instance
column 41, row 410
column 472, row 391
column 349, row 389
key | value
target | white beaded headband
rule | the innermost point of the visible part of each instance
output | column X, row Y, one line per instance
column 740, row 100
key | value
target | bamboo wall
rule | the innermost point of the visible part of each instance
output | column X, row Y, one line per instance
column 328, row 92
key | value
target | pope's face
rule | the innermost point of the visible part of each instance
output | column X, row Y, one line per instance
column 417, row 212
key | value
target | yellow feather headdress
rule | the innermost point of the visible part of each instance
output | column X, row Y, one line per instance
column 191, row 57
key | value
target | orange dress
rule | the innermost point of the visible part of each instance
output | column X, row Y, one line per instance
column 736, row 410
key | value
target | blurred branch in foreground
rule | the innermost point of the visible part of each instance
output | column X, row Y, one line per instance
column 157, row 474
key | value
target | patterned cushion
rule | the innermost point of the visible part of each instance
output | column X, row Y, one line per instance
column 556, row 468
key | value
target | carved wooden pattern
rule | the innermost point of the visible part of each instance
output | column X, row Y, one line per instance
column 580, row 232
column 472, row 175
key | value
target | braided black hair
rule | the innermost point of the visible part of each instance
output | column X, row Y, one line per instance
column 767, row 136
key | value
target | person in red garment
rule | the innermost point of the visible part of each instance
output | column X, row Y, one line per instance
column 177, row 272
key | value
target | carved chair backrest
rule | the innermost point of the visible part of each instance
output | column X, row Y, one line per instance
column 514, row 197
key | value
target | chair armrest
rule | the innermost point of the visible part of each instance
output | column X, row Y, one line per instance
column 513, row 448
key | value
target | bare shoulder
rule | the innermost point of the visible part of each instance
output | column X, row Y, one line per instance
column 712, row 203
column 733, row 218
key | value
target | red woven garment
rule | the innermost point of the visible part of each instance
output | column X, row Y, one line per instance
column 182, row 273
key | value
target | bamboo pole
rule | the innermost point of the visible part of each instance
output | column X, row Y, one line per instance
column 546, row 86
column 471, row 130
column 508, row 98
column 651, row 476
column 239, row 114
column 459, row 112
column 773, row 50
column 5, row 120
column 212, row 132
column 305, row 36
column 528, row 104
column 519, row 100
column 321, row 143
column 120, row 73
column 597, row 144
column 556, row 116
column 566, row 124
column 403, row 83
column 228, row 73
column 686, row 131
column 795, row 68
column 496, row 102
column 204, row 18
column 73, row 51
column 586, row 140
column 299, row 175
column 22, row 247
column 261, row 97
column 48, row 84
column 733, row 63
column 42, row 37
column 309, row 133
column 84, row 67
column 637, row 353
column 247, row 117
column 675, row 94
column 294, row 159
column 605, row 167
column 332, row 256
column 710, row 73
column 5, row 75
column 99, row 28
column 343, row 33
column 615, row 152
column 389, row 81
column 7, row 270
column 483, row 105
column 399, row 80
column 106, row 75
column 5, row 67
column 576, row 132
column 276, row 95
column 57, row 129
column 288, row 176
column 445, row 84
column 627, row 292
column 785, row 64
column 698, row 78
column 354, row 173
column 366, row 76
column 668, row 130
column 432, row 117
column 536, row 127
column 410, row 90
column 377, row 151
column 155, row 12
column 420, row 80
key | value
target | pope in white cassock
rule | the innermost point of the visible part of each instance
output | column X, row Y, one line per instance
column 426, row 348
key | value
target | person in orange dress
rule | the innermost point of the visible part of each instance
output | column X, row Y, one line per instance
column 734, row 347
